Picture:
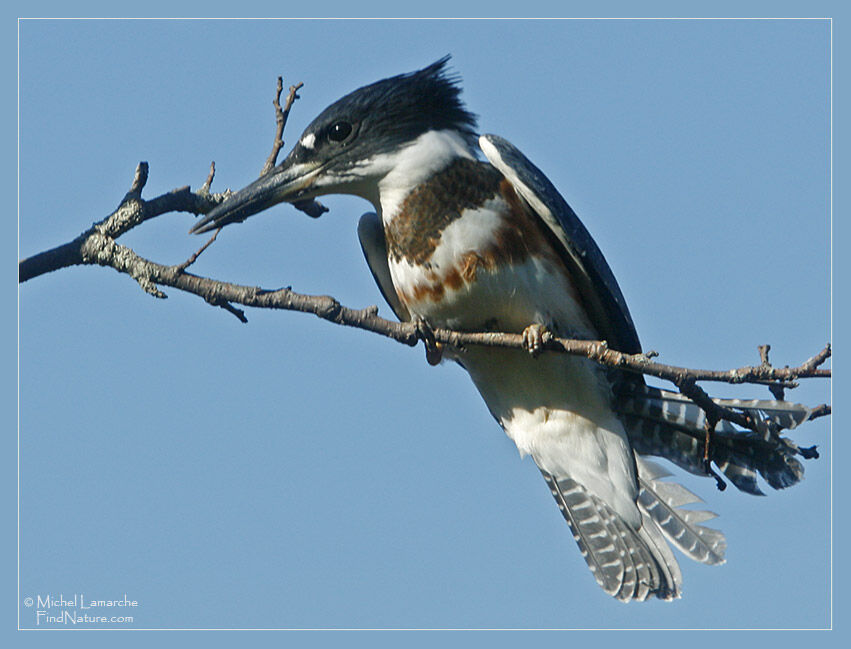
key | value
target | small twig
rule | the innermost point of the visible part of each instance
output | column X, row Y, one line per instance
column 310, row 206
column 822, row 410
column 280, row 122
column 650, row 355
column 818, row 359
column 808, row 452
column 291, row 97
column 186, row 264
column 205, row 188
column 230, row 308
column 777, row 388
column 140, row 179
column 709, row 428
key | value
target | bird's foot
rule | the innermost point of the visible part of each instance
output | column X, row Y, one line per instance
column 533, row 339
column 434, row 349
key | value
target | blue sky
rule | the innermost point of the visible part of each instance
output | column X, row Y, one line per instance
column 291, row 473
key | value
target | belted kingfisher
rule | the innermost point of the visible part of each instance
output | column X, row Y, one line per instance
column 472, row 245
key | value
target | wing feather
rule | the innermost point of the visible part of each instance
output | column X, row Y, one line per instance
column 596, row 282
column 374, row 246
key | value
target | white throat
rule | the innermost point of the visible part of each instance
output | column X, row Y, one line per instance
column 412, row 165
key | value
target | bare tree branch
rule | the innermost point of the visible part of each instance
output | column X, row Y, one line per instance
column 98, row 246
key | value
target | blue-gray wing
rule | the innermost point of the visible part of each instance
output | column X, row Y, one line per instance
column 371, row 236
column 600, row 292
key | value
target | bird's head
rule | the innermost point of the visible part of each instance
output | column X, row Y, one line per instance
column 355, row 142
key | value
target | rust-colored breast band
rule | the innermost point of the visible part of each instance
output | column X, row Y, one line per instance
column 415, row 231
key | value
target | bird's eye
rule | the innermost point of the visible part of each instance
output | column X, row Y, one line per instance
column 339, row 131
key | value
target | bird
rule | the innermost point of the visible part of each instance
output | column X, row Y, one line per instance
column 468, row 234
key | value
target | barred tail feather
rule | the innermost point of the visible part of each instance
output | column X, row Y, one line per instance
column 771, row 416
column 628, row 564
column 662, row 502
column 632, row 564
column 685, row 449
column 668, row 566
column 669, row 425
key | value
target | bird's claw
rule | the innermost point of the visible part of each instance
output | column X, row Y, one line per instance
column 533, row 339
column 434, row 349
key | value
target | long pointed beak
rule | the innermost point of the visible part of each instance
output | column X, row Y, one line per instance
column 287, row 182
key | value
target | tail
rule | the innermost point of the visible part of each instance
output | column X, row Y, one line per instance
column 632, row 564
column 669, row 425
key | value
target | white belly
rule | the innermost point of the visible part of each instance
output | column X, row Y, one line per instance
column 556, row 407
